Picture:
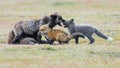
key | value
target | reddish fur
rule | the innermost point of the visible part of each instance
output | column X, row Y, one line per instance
column 56, row 34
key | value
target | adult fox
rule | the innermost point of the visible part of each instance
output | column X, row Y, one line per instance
column 31, row 28
column 56, row 34
column 23, row 40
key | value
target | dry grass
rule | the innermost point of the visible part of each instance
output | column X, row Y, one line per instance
column 103, row 14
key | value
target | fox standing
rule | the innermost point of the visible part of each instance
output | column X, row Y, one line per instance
column 87, row 30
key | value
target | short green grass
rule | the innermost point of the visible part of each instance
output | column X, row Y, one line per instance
column 104, row 15
column 73, row 56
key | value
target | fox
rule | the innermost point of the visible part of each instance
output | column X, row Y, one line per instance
column 28, row 41
column 31, row 28
column 56, row 35
column 23, row 40
column 86, row 30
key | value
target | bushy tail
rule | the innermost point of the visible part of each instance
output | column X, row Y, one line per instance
column 100, row 34
column 10, row 37
column 76, row 34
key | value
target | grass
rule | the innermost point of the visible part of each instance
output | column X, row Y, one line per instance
column 60, row 56
column 102, row 54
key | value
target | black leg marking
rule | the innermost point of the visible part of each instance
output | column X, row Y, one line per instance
column 92, row 40
column 16, row 38
column 51, row 42
column 76, row 40
column 60, row 42
column 38, row 38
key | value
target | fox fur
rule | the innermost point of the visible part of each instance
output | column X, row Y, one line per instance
column 56, row 34
column 31, row 28
column 86, row 30
column 22, row 40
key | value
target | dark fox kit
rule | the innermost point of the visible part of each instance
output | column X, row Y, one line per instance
column 86, row 30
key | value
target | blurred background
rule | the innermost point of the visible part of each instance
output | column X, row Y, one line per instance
column 103, row 14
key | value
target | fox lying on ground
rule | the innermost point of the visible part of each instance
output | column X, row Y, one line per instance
column 86, row 30
column 56, row 34
column 28, row 41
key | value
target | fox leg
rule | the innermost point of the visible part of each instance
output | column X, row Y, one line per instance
column 17, row 37
column 60, row 42
column 92, row 40
column 18, row 31
column 39, row 39
column 76, row 40
column 51, row 42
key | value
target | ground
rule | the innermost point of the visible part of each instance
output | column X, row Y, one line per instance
column 103, row 14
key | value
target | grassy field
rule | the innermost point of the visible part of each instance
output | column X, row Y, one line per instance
column 103, row 14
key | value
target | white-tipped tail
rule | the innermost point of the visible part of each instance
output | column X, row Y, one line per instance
column 110, row 39
column 86, row 37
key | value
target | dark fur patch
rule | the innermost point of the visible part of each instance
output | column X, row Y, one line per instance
column 30, row 28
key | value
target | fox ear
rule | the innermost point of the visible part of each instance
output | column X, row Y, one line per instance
column 53, row 16
column 72, row 19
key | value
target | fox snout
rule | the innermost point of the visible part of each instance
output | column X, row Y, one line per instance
column 41, row 33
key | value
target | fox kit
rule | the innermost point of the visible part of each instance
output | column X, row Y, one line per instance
column 56, row 34
column 87, row 30
column 28, row 41
column 31, row 28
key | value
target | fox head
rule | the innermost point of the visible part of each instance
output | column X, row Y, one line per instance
column 44, row 29
column 68, row 23
column 56, row 19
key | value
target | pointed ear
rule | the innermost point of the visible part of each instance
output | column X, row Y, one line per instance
column 53, row 16
column 72, row 19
